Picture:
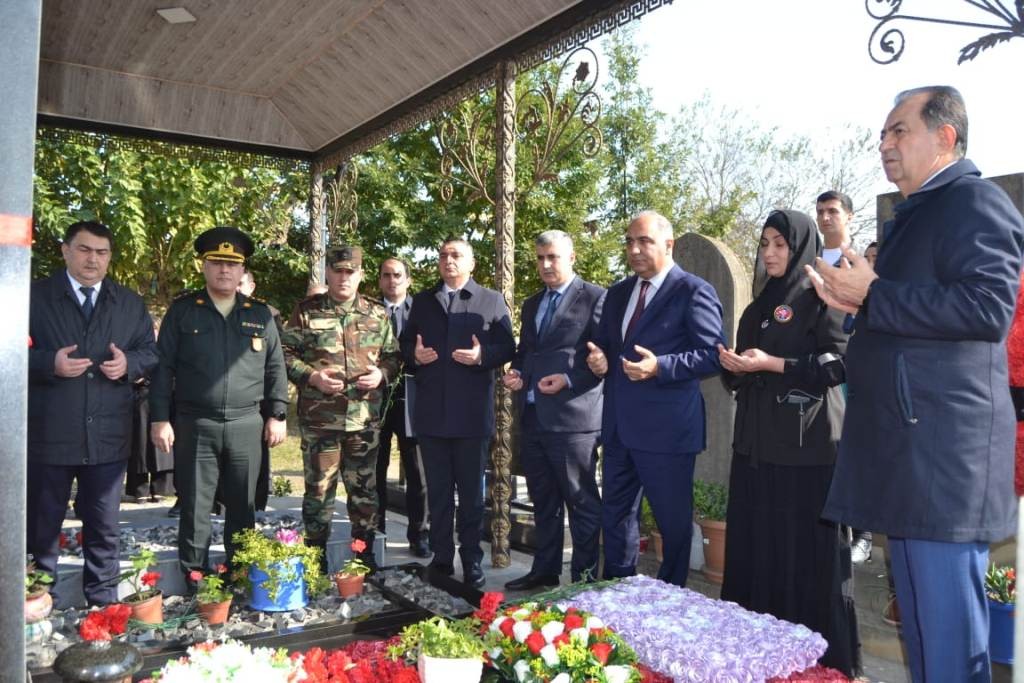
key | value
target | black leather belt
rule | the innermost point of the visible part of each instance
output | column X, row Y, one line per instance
column 1017, row 394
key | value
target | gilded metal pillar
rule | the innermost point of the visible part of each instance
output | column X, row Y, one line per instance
column 317, row 226
column 505, row 223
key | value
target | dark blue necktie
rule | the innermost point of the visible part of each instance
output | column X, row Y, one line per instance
column 87, row 305
column 549, row 312
column 451, row 298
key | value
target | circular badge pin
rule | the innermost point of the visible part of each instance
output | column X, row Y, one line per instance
column 783, row 314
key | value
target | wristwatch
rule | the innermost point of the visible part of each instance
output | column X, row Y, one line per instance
column 282, row 416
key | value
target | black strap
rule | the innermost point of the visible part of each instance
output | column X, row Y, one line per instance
column 1017, row 394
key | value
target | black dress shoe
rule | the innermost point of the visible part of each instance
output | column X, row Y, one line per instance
column 420, row 549
column 474, row 576
column 175, row 510
column 531, row 580
column 440, row 569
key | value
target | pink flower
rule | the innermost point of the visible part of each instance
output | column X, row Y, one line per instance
column 288, row 536
column 358, row 545
column 195, row 575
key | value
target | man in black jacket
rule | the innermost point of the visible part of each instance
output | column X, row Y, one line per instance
column 91, row 339
column 457, row 336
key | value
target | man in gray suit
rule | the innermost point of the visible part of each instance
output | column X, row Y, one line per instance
column 560, row 409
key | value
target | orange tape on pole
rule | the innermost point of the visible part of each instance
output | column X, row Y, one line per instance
column 15, row 230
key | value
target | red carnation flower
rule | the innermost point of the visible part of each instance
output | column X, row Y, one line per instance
column 560, row 640
column 601, row 652
column 573, row 621
column 535, row 641
column 506, row 626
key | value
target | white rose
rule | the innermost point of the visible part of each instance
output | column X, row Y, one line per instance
column 616, row 673
column 562, row 678
column 521, row 613
column 551, row 630
column 549, row 655
column 581, row 634
column 522, row 669
column 495, row 654
column 594, row 622
column 496, row 624
column 521, row 630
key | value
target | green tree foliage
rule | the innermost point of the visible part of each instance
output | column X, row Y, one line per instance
column 156, row 203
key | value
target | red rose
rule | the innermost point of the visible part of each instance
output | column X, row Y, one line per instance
column 150, row 578
column 506, row 626
column 601, row 652
column 560, row 640
column 573, row 621
column 535, row 641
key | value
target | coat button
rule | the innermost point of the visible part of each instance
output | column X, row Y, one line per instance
column 89, row 419
column 85, row 461
column 89, row 375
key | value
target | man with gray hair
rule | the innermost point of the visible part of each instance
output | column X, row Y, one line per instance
column 926, row 454
column 560, row 414
column 658, row 337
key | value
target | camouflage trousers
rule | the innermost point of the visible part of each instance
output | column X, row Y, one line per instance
column 325, row 453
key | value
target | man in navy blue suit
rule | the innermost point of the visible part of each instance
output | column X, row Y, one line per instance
column 657, row 339
column 457, row 336
column 560, row 414
column 926, row 454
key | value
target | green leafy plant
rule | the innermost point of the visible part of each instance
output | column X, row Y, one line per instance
column 142, row 580
column 281, row 487
column 647, row 521
column 438, row 637
column 36, row 581
column 1001, row 584
column 271, row 556
column 710, row 500
column 210, row 588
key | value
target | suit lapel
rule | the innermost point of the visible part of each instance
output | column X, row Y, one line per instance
column 565, row 305
column 659, row 301
column 442, row 298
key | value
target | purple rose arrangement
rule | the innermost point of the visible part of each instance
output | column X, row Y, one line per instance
column 690, row 637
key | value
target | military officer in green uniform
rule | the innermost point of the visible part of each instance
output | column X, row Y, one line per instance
column 220, row 356
column 341, row 354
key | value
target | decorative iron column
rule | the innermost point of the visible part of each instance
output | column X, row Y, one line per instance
column 19, row 53
column 317, row 225
column 504, row 229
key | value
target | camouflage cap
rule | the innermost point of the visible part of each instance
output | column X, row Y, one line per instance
column 345, row 257
column 224, row 243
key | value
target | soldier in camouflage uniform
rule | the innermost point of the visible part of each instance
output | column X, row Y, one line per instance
column 341, row 354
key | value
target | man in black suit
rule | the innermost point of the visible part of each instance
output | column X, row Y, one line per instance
column 398, row 405
column 457, row 336
column 560, row 409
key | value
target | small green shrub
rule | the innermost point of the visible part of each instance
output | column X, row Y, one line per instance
column 710, row 500
column 281, row 487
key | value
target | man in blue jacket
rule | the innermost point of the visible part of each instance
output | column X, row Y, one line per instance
column 91, row 340
column 559, row 414
column 657, row 339
column 926, row 455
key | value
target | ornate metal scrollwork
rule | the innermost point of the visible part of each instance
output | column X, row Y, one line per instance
column 886, row 43
column 342, row 204
column 553, row 118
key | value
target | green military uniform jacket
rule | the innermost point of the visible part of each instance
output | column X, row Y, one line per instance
column 217, row 367
column 348, row 338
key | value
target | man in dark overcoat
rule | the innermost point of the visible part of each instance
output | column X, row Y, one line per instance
column 926, row 455
column 91, row 339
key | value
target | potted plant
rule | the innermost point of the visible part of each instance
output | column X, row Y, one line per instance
column 38, row 601
column 213, row 598
column 278, row 571
column 1001, row 590
column 710, row 501
column 649, row 529
column 445, row 651
column 350, row 579
column 146, row 600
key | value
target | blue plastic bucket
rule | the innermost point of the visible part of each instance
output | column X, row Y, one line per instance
column 1000, row 632
column 291, row 594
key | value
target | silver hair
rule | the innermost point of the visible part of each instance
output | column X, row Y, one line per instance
column 549, row 237
column 944, row 106
column 660, row 222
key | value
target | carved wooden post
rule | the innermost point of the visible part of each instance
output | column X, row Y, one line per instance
column 317, row 225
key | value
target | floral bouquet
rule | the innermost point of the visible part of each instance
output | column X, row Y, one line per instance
column 354, row 566
column 210, row 588
column 1001, row 584
column 531, row 643
column 230, row 661
column 106, row 623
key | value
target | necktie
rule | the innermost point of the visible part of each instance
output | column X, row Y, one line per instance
column 394, row 319
column 549, row 312
column 639, row 310
column 87, row 305
column 451, row 298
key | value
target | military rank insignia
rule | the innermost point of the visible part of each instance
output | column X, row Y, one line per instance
column 257, row 343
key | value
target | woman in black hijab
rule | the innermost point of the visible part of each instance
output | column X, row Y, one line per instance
column 781, row 556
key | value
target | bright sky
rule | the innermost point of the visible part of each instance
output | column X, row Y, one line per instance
column 803, row 65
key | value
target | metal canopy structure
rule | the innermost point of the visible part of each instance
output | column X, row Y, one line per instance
column 317, row 81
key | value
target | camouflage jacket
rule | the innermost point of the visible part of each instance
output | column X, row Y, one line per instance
column 321, row 334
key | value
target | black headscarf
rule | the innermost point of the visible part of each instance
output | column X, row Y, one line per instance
column 801, row 234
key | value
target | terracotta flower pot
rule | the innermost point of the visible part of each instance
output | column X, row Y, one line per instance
column 349, row 585
column 659, row 548
column 714, row 549
column 148, row 610
column 214, row 613
column 38, row 606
